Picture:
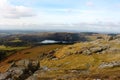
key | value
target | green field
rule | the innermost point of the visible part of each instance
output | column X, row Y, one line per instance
column 2, row 47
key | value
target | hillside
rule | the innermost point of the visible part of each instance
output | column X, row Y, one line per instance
column 90, row 60
column 98, row 59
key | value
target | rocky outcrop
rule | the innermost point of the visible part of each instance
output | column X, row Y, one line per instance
column 20, row 70
column 93, row 49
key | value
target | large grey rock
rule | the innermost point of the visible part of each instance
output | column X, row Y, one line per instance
column 17, row 72
column 32, row 65
column 25, row 62
column 5, row 76
column 21, row 70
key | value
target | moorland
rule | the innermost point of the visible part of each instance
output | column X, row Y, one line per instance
column 76, row 56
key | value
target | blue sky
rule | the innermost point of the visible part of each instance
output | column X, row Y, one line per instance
column 83, row 15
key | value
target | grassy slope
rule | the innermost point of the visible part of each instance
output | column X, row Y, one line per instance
column 33, row 54
column 74, row 61
column 84, row 62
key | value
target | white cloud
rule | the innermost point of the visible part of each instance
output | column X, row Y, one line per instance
column 8, row 10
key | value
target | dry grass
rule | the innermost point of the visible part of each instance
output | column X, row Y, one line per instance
column 33, row 54
column 84, row 62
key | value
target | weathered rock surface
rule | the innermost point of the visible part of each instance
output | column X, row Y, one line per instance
column 35, row 75
column 5, row 76
column 93, row 49
column 110, row 64
column 21, row 70
column 26, row 63
column 17, row 72
column 32, row 78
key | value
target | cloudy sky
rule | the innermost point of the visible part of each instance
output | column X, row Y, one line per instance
column 81, row 15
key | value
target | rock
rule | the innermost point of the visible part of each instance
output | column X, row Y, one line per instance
column 106, row 65
column 32, row 65
column 96, row 49
column 32, row 78
column 35, row 65
column 21, row 70
column 17, row 72
column 110, row 64
column 86, row 52
column 26, row 63
column 99, row 49
column 5, row 75
column 36, row 73
column 45, row 68
column 10, row 79
column 55, row 59
column 113, row 50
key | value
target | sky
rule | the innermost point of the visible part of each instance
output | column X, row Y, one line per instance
column 79, row 15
